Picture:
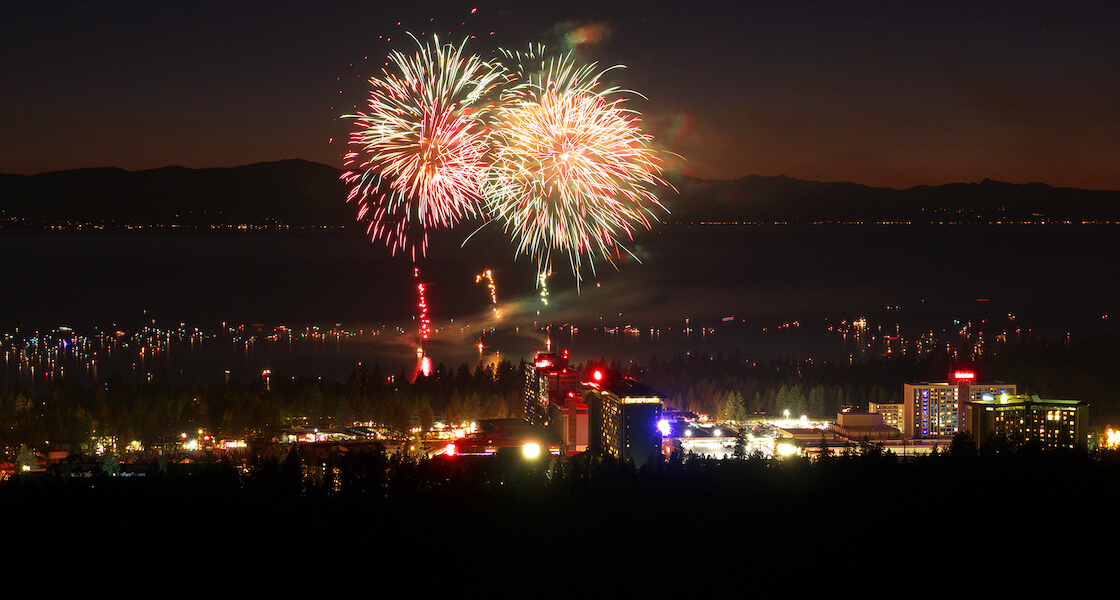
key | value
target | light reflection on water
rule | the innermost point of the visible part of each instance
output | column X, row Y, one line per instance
column 792, row 292
column 243, row 353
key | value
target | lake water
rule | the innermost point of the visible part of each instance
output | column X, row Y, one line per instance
column 788, row 291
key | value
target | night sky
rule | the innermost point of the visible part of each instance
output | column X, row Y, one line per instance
column 881, row 93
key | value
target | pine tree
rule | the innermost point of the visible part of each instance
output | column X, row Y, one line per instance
column 26, row 459
column 741, row 443
column 425, row 411
column 816, row 401
column 109, row 464
column 733, row 408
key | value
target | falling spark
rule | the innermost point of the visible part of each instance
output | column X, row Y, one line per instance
column 489, row 277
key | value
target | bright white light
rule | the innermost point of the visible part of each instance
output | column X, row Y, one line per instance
column 663, row 427
column 531, row 450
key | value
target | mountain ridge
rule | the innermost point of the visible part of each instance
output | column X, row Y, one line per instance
column 304, row 194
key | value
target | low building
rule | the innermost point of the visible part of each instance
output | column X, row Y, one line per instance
column 805, row 440
column 863, row 426
column 892, row 413
column 498, row 436
column 702, row 439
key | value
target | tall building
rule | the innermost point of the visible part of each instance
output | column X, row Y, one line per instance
column 1029, row 419
column 623, row 417
column 554, row 401
column 935, row 411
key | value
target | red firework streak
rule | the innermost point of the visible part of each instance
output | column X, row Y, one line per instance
column 423, row 363
column 425, row 323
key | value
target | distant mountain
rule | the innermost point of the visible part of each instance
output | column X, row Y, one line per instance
column 298, row 193
column 287, row 192
column 784, row 199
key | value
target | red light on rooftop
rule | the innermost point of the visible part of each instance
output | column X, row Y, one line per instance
column 597, row 375
column 964, row 375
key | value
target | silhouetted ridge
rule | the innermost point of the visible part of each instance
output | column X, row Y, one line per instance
column 783, row 199
column 299, row 193
column 289, row 192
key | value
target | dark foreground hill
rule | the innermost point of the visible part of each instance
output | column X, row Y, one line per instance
column 298, row 193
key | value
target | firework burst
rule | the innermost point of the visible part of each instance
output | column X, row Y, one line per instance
column 418, row 154
column 570, row 169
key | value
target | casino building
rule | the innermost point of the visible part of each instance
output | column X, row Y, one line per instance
column 623, row 417
column 1051, row 424
column 936, row 411
column 554, row 400
column 603, row 411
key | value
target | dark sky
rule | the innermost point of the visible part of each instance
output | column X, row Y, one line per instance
column 882, row 93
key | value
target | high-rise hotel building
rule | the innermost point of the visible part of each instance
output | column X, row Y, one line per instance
column 623, row 417
column 1029, row 419
column 936, row 411
column 554, row 400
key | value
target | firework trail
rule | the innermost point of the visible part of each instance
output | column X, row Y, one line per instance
column 422, row 309
column 418, row 154
column 423, row 362
column 489, row 277
column 570, row 169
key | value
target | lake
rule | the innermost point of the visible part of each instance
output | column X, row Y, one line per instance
column 767, row 291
